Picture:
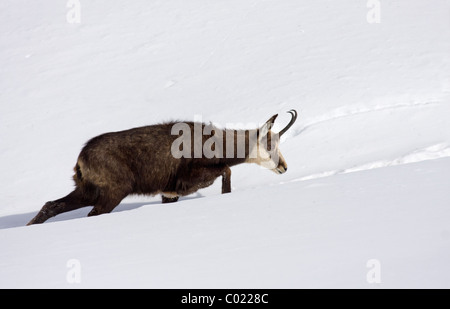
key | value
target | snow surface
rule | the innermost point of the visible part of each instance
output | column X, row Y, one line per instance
column 369, row 156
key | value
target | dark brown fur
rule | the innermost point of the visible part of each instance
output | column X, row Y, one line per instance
column 137, row 161
column 140, row 161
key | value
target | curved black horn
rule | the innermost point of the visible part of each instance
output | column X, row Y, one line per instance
column 293, row 113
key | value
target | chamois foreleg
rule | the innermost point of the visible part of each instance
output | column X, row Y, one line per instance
column 226, row 180
column 168, row 199
column 198, row 178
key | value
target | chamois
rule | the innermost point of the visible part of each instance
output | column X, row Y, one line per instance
column 157, row 159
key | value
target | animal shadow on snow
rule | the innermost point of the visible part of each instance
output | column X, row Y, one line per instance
column 19, row 220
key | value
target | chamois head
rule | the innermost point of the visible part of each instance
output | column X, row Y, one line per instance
column 267, row 153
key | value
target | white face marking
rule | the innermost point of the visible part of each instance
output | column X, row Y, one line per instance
column 272, row 159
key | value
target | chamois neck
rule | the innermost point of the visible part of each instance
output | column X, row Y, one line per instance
column 237, row 146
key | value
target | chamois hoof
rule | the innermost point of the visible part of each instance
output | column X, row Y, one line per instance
column 169, row 199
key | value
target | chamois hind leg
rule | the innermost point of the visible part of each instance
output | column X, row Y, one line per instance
column 107, row 202
column 74, row 200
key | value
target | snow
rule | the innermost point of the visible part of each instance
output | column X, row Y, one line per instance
column 369, row 156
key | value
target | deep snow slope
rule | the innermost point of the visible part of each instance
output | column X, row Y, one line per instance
column 371, row 97
column 318, row 233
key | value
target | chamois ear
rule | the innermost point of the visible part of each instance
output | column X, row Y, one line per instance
column 267, row 126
